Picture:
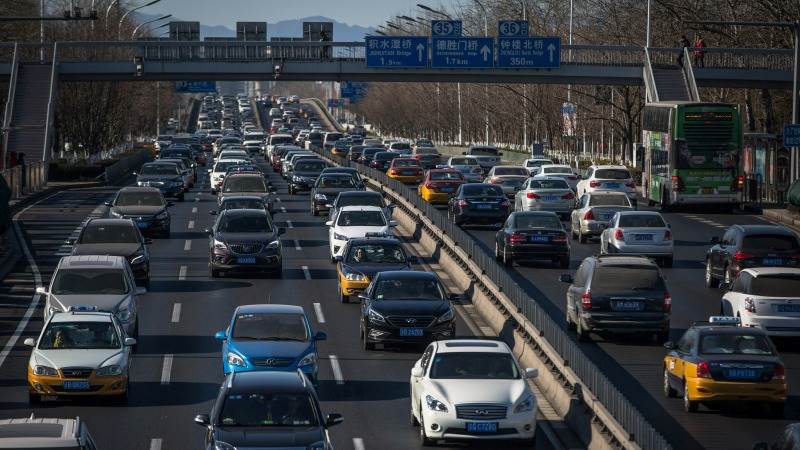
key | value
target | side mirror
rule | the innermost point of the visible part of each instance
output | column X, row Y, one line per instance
column 333, row 419
column 109, row 204
column 41, row 290
column 30, row 342
column 329, row 223
column 417, row 371
column 220, row 336
column 565, row 278
column 724, row 286
column 202, row 420
column 321, row 336
column 213, row 212
column 141, row 290
column 669, row 345
column 130, row 342
column 715, row 240
column 531, row 373
column 338, row 258
column 392, row 223
column 208, row 231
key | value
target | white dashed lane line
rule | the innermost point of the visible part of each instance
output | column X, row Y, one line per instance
column 318, row 312
column 166, row 369
column 297, row 245
column 306, row 272
column 336, row 368
column 182, row 273
column 358, row 443
column 155, row 444
column 191, row 225
column 176, row 313
column 188, row 245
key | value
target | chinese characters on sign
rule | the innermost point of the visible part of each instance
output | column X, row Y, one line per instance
column 462, row 52
column 529, row 52
column 397, row 51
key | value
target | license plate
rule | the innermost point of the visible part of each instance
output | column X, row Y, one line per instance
column 447, row 189
column 772, row 261
column 246, row 260
column 76, row 385
column 612, row 185
column 708, row 190
column 787, row 308
column 539, row 238
column 643, row 237
column 481, row 427
column 142, row 224
column 550, row 198
column 412, row 332
column 483, row 206
column 741, row 374
column 627, row 305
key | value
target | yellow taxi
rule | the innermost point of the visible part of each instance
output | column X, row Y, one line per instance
column 362, row 258
column 439, row 185
column 721, row 362
column 405, row 170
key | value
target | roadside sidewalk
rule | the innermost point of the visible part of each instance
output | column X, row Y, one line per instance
column 784, row 217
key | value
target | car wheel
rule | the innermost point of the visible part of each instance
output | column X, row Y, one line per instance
column 662, row 337
column 413, row 419
column 570, row 323
column 582, row 333
column 291, row 191
column 711, row 282
column 507, row 261
column 342, row 297
column 669, row 392
column 667, row 262
column 181, row 197
column 688, row 405
column 277, row 273
column 365, row 344
column 664, row 204
column 424, row 440
column 581, row 238
column 214, row 273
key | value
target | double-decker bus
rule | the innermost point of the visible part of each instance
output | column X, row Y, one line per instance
column 691, row 154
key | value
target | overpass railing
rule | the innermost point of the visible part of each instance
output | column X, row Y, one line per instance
column 727, row 58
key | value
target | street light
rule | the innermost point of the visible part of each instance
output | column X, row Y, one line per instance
column 108, row 11
column 133, row 34
column 380, row 32
column 121, row 19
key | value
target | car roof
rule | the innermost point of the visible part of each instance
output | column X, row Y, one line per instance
column 407, row 275
column 267, row 382
column 705, row 327
column 270, row 309
column 507, row 166
column 766, row 271
column 534, row 213
column 105, row 222
column 91, row 261
column 639, row 213
column 81, row 316
column 625, row 260
column 244, row 212
column 608, row 166
column 163, row 162
column 602, row 192
column 764, row 229
column 547, row 178
column 234, row 198
column 244, row 175
column 340, row 169
column 33, row 432
column 360, row 208
column 472, row 346
column 556, row 165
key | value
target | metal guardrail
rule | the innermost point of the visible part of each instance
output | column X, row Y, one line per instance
column 23, row 180
column 651, row 90
column 688, row 73
column 49, row 124
column 729, row 58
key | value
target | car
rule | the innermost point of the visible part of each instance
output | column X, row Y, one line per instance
column 368, row 154
column 532, row 235
column 329, row 185
column 467, row 165
column 618, row 294
column 267, row 409
column 488, row 156
column 423, row 143
column 607, row 178
column 401, row 148
column 304, row 173
column 359, row 198
column 244, row 168
column 532, row 163
column 146, row 206
column 354, row 152
column 480, row 203
column 352, row 171
column 79, row 353
column 354, row 222
column 244, row 240
column 363, row 258
column 116, row 237
column 382, row 160
column 590, row 217
column 543, row 193
column 405, row 170
column 341, row 148
column 234, row 153
column 719, row 361
column 188, row 172
column 439, row 185
column 765, row 297
column 270, row 337
column 427, row 156
column 643, row 233
column 245, row 184
column 276, row 157
column 241, row 202
column 470, row 389
column 167, row 177
column 290, row 158
column 406, row 307
column 561, row 171
column 219, row 171
column 509, row 178
column 33, row 432
column 788, row 440
column 278, row 139
column 330, row 138
column 744, row 246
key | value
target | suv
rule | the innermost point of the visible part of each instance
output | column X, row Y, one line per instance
column 244, row 239
column 34, row 432
column 766, row 298
column 618, row 294
column 608, row 178
column 253, row 408
column 745, row 246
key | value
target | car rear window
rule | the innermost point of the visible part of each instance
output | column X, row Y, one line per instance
column 612, row 174
column 406, row 163
column 463, row 162
column 548, row 184
column 483, row 190
column 769, row 242
column 641, row 221
column 734, row 344
column 783, row 285
column 521, row 171
column 244, row 184
column 110, row 234
column 446, row 176
column 483, row 151
column 536, row 222
column 565, row 170
column 310, row 166
column 360, row 200
column 608, row 200
column 626, row 279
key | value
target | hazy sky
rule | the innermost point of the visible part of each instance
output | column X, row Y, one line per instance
column 227, row 12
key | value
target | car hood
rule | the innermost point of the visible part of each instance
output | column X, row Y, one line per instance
column 125, row 250
column 353, row 232
column 106, row 302
column 58, row 358
column 334, row 191
column 288, row 438
column 138, row 210
column 371, row 269
column 478, row 391
column 252, row 237
column 267, row 349
column 411, row 307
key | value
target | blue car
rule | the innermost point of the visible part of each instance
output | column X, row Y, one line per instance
column 270, row 338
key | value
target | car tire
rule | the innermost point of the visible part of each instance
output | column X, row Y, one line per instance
column 181, row 197
column 690, row 406
column 342, row 297
column 669, row 392
column 34, row 399
column 664, row 203
column 570, row 323
column 661, row 337
column 214, row 273
column 508, row 262
column 711, row 282
column 497, row 252
column 581, row 333
column 146, row 283
column 365, row 344
column 412, row 419
column 291, row 191
column 581, row 238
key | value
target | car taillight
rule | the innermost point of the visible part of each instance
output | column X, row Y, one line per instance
column 741, row 256
column 493, row 180
column 568, row 196
column 779, row 372
column 517, row 238
column 619, row 235
column 532, row 195
column 560, row 238
column 667, row 302
column 586, row 300
column 749, row 305
column 392, row 172
column 677, row 183
column 594, row 184
column 505, row 204
column 703, row 370
column 463, row 203
column 589, row 215
column 739, row 183
column 667, row 235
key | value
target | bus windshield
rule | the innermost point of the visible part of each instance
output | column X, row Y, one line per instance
column 710, row 140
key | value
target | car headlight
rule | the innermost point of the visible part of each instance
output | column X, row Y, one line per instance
column 109, row 371
column 375, row 317
column 219, row 245
column 339, row 237
column 355, row 276
column 307, row 360
column 434, row 404
column 274, row 244
column 223, row 446
column 446, row 317
column 524, row 405
column 115, row 214
column 320, row 197
column 297, row 179
column 45, row 370
column 236, row 360
column 162, row 215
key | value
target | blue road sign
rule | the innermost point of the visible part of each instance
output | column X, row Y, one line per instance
column 446, row 28
column 791, row 135
column 462, row 52
column 529, row 52
column 335, row 102
column 195, row 86
column 512, row 28
column 397, row 51
column 352, row 90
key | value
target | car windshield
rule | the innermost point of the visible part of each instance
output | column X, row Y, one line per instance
column 561, row 170
column 483, row 151
column 734, row 344
column 245, row 224
column 109, row 234
column 335, row 181
column 406, row 163
column 360, row 200
column 641, row 221
column 537, row 162
column 310, row 166
column 139, row 199
column 521, row 171
column 243, row 203
column 463, row 162
column 159, row 169
column 548, row 184
column 281, row 140
column 436, row 176
column 474, row 366
column 779, row 285
column 608, row 200
column 482, row 190
column 409, row 289
column 361, row 219
column 80, row 335
column 268, row 410
column 89, row 282
column 612, row 174
column 769, row 242
column 376, row 254
column 244, row 184
column 623, row 279
column 385, row 156
column 270, row 327
column 536, row 221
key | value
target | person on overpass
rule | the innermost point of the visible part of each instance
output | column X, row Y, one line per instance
column 699, row 54
column 684, row 45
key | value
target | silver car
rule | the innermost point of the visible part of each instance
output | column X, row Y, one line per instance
column 560, row 170
column 642, row 233
column 594, row 211
column 509, row 178
column 467, row 165
column 545, row 193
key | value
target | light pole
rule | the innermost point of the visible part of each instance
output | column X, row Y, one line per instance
column 108, row 11
column 133, row 34
column 485, row 86
column 121, row 19
column 647, row 39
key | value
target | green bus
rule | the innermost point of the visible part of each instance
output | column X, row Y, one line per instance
column 691, row 154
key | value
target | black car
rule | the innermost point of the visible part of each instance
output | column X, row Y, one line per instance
column 618, row 294
column 116, row 237
column 744, row 246
column 382, row 160
column 355, row 152
column 304, row 174
column 241, row 202
column 406, row 307
column 145, row 206
column 368, row 153
column 531, row 235
column 352, row 171
column 363, row 258
column 244, row 240
column 328, row 186
column 267, row 409
column 165, row 176
column 481, row 203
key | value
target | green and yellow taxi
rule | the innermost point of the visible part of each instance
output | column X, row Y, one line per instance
column 363, row 258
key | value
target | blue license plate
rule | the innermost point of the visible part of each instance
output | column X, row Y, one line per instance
column 81, row 385
column 627, row 306
column 483, row 206
column 482, row 427
column 772, row 261
column 142, row 224
column 550, row 198
column 412, row 332
column 612, row 185
column 741, row 374
column 788, row 308
column 246, row 260
column 643, row 237
column 540, row 238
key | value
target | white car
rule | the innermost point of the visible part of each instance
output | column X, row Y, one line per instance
column 79, row 353
column 767, row 298
column 356, row 222
column 593, row 211
column 559, row 170
column 643, row 233
column 543, row 193
column 472, row 389
column 217, row 173
column 536, row 162
column 608, row 178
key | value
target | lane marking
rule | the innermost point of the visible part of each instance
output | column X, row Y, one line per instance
column 191, row 225
column 337, row 369
column 289, row 224
column 197, row 199
column 155, row 444
column 194, row 210
column 318, row 312
column 306, row 272
column 358, row 444
column 176, row 313
column 277, row 199
column 166, row 369
column 283, row 209
column 182, row 273
column 297, row 245
column 188, row 245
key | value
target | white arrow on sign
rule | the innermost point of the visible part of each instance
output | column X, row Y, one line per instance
column 551, row 48
column 485, row 51
column 420, row 49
